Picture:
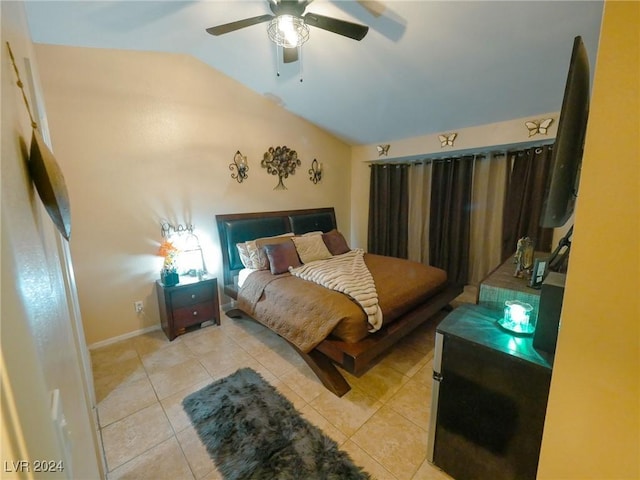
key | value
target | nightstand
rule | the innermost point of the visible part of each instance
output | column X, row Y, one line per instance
column 187, row 304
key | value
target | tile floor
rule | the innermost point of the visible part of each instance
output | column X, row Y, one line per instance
column 140, row 382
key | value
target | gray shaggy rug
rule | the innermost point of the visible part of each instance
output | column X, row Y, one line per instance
column 253, row 432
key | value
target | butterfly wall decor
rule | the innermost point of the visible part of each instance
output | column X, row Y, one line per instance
column 383, row 150
column 447, row 139
column 538, row 126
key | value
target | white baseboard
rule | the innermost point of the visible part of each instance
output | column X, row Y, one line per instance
column 109, row 341
column 103, row 343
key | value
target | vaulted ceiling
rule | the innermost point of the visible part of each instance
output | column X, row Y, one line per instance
column 424, row 67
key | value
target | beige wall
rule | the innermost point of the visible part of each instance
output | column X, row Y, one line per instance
column 41, row 348
column 592, row 429
column 149, row 136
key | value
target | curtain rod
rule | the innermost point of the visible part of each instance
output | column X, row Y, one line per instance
column 426, row 160
column 419, row 159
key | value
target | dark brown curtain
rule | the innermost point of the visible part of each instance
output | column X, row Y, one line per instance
column 526, row 190
column 388, row 210
column 450, row 218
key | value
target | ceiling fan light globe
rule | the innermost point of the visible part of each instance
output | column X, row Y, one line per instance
column 288, row 31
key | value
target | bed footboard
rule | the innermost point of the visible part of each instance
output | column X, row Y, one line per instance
column 357, row 358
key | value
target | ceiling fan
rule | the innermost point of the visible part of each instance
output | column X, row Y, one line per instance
column 288, row 26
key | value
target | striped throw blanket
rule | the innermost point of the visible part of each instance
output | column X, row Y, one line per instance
column 348, row 274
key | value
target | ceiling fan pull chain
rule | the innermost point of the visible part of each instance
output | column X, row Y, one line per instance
column 300, row 56
column 277, row 61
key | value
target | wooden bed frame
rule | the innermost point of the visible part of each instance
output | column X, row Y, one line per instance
column 355, row 358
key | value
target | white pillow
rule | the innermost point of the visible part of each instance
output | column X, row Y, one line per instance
column 311, row 248
column 243, row 274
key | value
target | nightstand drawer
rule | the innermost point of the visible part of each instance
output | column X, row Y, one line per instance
column 200, row 312
column 193, row 294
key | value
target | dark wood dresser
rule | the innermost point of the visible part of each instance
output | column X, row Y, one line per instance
column 489, row 398
column 500, row 285
column 187, row 304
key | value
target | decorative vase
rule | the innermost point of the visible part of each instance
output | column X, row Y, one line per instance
column 169, row 279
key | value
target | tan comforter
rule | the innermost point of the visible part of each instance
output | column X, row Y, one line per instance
column 306, row 313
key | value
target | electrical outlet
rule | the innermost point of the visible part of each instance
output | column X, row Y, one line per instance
column 138, row 306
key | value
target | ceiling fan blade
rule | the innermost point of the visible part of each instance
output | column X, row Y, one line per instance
column 290, row 55
column 341, row 27
column 233, row 26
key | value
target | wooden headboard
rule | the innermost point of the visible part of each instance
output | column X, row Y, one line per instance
column 240, row 227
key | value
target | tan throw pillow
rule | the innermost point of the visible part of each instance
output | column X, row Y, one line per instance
column 282, row 256
column 258, row 257
column 311, row 248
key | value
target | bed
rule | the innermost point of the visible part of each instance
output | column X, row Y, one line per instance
column 338, row 331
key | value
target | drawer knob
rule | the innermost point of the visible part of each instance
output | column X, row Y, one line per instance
column 193, row 295
column 195, row 313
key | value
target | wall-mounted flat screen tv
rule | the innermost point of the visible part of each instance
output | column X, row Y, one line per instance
column 566, row 160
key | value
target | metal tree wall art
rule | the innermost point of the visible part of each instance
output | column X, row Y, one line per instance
column 281, row 161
